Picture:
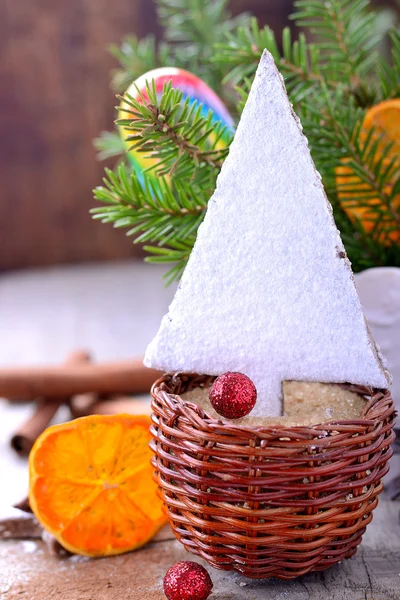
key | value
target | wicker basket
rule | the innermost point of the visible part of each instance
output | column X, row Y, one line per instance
column 270, row 501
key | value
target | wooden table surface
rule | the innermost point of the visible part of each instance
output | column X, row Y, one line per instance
column 114, row 310
column 28, row 572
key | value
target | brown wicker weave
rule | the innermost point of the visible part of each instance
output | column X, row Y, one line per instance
column 270, row 501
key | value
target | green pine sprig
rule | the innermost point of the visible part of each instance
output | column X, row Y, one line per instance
column 165, row 217
column 343, row 49
column 345, row 35
column 164, row 206
column 109, row 144
column 173, row 132
column 389, row 73
column 333, row 72
column 137, row 56
column 369, row 173
column 194, row 26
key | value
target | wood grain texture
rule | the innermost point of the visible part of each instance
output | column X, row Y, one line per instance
column 55, row 98
column 372, row 574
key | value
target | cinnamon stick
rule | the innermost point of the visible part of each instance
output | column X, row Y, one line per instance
column 20, row 527
column 29, row 383
column 24, row 505
column 80, row 404
column 115, row 405
column 54, row 547
column 23, row 527
column 23, row 439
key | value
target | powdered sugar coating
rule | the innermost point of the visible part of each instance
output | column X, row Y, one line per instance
column 268, row 289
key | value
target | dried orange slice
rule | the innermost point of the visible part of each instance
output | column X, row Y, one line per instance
column 385, row 119
column 91, row 484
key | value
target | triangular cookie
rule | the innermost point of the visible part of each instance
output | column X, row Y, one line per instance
column 268, row 289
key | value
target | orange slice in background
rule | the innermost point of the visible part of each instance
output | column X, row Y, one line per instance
column 385, row 119
column 91, row 484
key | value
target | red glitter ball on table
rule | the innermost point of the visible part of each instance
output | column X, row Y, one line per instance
column 187, row 580
column 233, row 395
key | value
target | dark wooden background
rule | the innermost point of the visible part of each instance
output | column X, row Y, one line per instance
column 55, row 97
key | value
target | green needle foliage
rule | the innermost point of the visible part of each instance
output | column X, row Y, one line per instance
column 175, row 134
column 333, row 71
column 154, row 210
column 137, row 56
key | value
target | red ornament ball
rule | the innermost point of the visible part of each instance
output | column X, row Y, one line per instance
column 187, row 580
column 233, row 395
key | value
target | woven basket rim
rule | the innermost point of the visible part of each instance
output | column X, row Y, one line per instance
column 164, row 386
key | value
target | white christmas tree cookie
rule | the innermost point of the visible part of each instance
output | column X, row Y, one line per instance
column 268, row 290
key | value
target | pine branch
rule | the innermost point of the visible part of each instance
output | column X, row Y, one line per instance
column 360, row 249
column 240, row 54
column 163, row 216
column 136, row 57
column 345, row 35
column 197, row 21
column 176, row 252
column 108, row 145
column 330, row 81
column 359, row 171
column 342, row 53
column 196, row 25
column 390, row 74
column 152, row 209
column 184, row 143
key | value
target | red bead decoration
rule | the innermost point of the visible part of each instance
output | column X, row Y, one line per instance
column 233, row 395
column 187, row 580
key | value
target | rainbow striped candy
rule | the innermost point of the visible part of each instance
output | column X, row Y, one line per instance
column 192, row 87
